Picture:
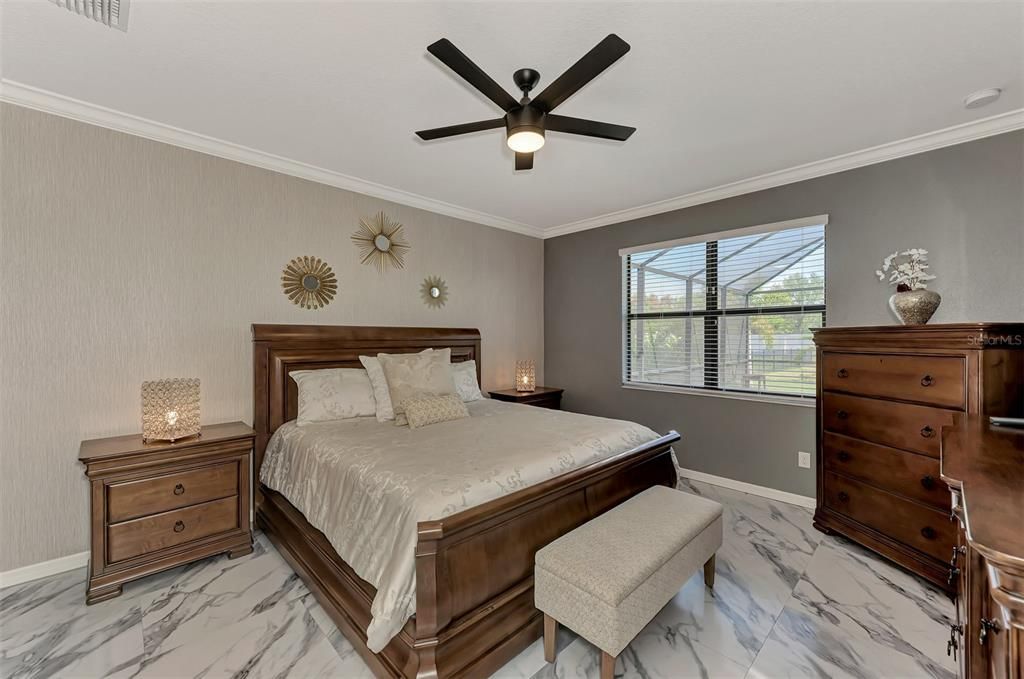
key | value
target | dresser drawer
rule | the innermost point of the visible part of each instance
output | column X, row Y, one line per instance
column 900, row 425
column 937, row 380
column 908, row 474
column 153, row 533
column 925, row 529
column 170, row 491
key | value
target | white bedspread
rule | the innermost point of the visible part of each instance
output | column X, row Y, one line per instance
column 365, row 484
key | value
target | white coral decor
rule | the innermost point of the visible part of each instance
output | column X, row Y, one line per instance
column 911, row 273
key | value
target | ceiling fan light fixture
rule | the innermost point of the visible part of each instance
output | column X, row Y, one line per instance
column 525, row 140
column 526, row 120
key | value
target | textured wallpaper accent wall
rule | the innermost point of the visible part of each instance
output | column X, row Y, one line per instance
column 124, row 259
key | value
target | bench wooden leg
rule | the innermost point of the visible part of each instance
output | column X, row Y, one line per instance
column 550, row 633
column 607, row 666
column 709, row 572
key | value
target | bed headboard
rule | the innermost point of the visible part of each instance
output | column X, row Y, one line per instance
column 279, row 349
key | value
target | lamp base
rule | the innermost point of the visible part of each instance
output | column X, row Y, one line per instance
column 172, row 439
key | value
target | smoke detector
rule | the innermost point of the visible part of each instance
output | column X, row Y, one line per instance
column 113, row 13
column 982, row 97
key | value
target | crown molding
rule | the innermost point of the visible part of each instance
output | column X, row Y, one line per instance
column 57, row 104
column 50, row 102
column 950, row 136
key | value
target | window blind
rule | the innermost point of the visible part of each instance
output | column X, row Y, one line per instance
column 731, row 313
column 113, row 13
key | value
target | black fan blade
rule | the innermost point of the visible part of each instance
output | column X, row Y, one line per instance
column 454, row 59
column 524, row 161
column 464, row 128
column 589, row 128
column 606, row 53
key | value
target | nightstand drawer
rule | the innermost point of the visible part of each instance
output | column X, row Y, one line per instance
column 170, row 491
column 153, row 533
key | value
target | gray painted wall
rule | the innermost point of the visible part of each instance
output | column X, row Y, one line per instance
column 965, row 204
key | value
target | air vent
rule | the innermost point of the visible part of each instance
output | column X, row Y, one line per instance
column 113, row 13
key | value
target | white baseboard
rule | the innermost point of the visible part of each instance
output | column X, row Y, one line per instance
column 43, row 569
column 743, row 487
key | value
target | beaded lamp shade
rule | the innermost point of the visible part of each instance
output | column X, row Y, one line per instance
column 526, row 376
column 170, row 409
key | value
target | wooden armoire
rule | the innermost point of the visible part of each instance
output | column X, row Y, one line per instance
column 884, row 395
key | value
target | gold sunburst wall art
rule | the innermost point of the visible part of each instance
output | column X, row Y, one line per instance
column 309, row 282
column 381, row 242
column 434, row 292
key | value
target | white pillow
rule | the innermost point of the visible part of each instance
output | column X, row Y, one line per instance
column 464, row 375
column 333, row 394
column 416, row 375
column 379, row 383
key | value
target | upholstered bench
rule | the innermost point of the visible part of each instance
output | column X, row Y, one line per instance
column 608, row 578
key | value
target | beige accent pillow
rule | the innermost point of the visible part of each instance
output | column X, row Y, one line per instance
column 412, row 376
column 433, row 409
column 380, row 386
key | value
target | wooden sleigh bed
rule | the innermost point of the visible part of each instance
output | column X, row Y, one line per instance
column 474, row 569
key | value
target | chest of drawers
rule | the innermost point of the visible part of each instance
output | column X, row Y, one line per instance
column 159, row 505
column 884, row 395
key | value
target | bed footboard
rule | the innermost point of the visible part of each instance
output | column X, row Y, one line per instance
column 474, row 569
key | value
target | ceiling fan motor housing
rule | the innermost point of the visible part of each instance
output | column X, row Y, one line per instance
column 525, row 119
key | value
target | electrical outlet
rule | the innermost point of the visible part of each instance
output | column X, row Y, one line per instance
column 803, row 459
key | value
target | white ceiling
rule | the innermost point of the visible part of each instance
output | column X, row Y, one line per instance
column 719, row 91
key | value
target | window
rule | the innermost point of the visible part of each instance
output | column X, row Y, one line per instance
column 727, row 312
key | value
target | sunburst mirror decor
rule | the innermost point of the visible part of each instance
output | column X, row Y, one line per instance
column 434, row 291
column 380, row 242
column 309, row 282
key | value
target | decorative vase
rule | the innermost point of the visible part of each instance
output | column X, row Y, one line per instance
column 915, row 307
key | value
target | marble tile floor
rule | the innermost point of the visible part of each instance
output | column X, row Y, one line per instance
column 788, row 602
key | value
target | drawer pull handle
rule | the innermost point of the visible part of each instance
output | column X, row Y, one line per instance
column 927, row 432
column 843, row 496
column 987, row 626
column 927, row 482
column 952, row 646
column 954, row 573
column 179, row 526
column 844, row 456
column 842, row 414
column 179, row 489
column 928, row 533
column 927, row 381
column 842, row 373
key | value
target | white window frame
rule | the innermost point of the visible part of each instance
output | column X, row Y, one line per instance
column 800, row 401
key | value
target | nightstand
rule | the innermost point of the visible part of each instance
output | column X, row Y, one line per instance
column 542, row 397
column 159, row 505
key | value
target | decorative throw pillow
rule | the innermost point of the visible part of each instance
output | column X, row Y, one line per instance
column 433, row 409
column 466, row 386
column 333, row 394
column 416, row 375
column 385, row 411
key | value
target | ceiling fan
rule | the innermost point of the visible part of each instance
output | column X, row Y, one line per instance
column 526, row 120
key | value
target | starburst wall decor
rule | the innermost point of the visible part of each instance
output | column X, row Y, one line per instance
column 381, row 242
column 309, row 282
column 434, row 292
